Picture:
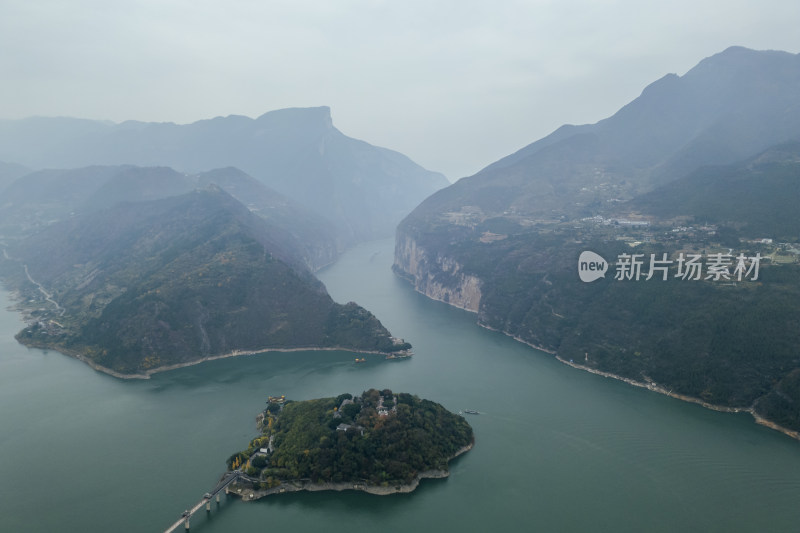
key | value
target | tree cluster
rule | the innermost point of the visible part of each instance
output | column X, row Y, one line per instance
column 324, row 441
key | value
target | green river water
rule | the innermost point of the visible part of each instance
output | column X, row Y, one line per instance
column 556, row 449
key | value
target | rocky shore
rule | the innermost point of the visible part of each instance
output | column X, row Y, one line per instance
column 652, row 386
column 248, row 493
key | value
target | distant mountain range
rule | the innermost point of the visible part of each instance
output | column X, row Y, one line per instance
column 41, row 198
column 362, row 190
column 130, row 254
column 144, row 285
column 9, row 172
column 703, row 164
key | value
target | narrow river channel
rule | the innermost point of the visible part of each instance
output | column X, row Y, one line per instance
column 556, row 449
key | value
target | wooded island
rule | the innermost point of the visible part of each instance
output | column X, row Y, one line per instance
column 379, row 442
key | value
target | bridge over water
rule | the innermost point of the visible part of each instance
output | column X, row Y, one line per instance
column 226, row 480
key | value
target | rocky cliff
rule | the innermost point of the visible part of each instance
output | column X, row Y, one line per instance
column 702, row 163
column 435, row 275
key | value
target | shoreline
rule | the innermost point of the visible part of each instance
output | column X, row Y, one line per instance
column 410, row 279
column 149, row 373
column 654, row 387
column 298, row 485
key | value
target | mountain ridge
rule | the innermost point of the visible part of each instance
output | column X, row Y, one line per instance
column 40, row 198
column 505, row 243
column 153, row 284
column 677, row 124
column 362, row 189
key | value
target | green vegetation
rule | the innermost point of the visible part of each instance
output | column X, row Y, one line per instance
column 150, row 284
column 729, row 344
column 758, row 196
column 365, row 439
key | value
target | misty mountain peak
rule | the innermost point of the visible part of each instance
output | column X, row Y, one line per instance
column 729, row 107
column 744, row 65
column 298, row 117
column 363, row 190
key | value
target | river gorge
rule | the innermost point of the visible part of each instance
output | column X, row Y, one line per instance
column 556, row 448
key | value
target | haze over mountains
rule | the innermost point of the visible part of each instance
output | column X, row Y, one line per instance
column 148, row 284
column 152, row 265
column 41, row 198
column 703, row 164
column 754, row 197
column 133, row 268
column 729, row 107
column 9, row 172
column 361, row 189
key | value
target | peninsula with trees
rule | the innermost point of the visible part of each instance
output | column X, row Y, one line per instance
column 146, row 286
column 380, row 442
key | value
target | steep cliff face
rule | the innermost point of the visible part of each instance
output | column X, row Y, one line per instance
column 715, row 145
column 319, row 255
column 436, row 276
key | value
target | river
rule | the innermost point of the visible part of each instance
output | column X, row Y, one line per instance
column 556, row 449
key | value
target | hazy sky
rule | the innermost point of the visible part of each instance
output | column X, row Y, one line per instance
column 453, row 85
